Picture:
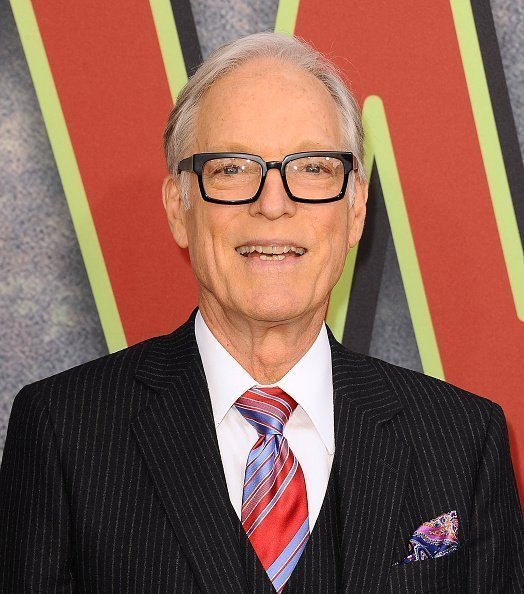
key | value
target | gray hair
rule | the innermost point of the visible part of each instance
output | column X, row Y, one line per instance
column 179, row 132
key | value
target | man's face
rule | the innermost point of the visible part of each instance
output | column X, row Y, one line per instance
column 268, row 109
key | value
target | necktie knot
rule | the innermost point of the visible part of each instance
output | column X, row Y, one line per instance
column 266, row 409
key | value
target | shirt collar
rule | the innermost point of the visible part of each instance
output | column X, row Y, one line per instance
column 309, row 381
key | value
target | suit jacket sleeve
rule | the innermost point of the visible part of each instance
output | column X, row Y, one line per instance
column 35, row 533
column 497, row 535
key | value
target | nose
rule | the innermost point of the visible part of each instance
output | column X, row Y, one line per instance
column 273, row 201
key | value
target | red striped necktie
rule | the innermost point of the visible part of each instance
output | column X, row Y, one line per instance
column 274, row 501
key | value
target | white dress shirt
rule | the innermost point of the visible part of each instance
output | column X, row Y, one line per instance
column 309, row 431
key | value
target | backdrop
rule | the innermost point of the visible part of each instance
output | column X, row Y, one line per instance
column 87, row 262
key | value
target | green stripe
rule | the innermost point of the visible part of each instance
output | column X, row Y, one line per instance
column 378, row 146
column 286, row 16
column 490, row 148
column 69, row 174
column 169, row 45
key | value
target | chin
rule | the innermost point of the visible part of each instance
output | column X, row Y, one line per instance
column 273, row 310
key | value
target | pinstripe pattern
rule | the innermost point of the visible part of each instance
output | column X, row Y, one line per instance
column 101, row 488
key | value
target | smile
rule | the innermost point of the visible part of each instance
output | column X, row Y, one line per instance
column 270, row 252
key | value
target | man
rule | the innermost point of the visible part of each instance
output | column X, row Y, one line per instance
column 248, row 451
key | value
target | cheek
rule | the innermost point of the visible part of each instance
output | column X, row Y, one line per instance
column 210, row 251
column 198, row 242
column 333, row 234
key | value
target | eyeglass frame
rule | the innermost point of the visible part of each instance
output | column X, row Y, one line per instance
column 196, row 162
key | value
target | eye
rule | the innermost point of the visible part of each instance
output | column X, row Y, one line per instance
column 226, row 169
column 312, row 168
column 230, row 169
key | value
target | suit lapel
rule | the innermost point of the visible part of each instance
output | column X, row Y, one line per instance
column 371, row 466
column 177, row 439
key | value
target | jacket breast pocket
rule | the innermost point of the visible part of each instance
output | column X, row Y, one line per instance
column 442, row 575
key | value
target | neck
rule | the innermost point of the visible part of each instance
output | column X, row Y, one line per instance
column 267, row 350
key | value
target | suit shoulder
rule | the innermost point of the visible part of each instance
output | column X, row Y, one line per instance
column 123, row 359
column 104, row 375
column 113, row 382
column 433, row 394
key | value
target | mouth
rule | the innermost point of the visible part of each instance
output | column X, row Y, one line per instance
column 271, row 252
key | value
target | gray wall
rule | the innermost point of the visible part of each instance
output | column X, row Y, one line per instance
column 48, row 318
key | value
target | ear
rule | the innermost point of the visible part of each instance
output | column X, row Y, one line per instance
column 175, row 210
column 358, row 210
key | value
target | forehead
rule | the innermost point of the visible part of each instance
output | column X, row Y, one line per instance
column 268, row 106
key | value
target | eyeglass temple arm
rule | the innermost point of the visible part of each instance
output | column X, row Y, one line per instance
column 186, row 164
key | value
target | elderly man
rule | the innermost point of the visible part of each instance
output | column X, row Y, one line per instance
column 248, row 451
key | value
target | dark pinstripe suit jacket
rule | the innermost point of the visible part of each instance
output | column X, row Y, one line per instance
column 112, row 481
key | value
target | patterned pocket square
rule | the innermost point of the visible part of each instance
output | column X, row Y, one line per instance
column 435, row 538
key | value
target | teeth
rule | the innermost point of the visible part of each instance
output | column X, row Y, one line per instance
column 272, row 250
column 272, row 257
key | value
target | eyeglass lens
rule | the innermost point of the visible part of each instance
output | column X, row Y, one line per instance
column 234, row 178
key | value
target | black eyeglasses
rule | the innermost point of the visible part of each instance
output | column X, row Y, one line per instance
column 238, row 178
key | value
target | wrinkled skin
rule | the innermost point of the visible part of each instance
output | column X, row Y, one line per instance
column 266, row 313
